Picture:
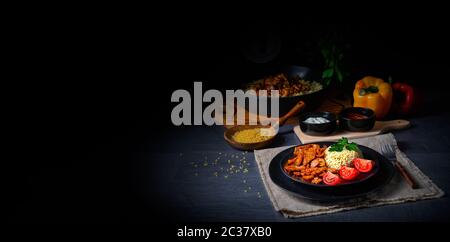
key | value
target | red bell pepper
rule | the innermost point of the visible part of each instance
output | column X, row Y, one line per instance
column 405, row 99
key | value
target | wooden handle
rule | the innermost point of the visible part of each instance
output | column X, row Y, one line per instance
column 394, row 125
column 405, row 175
column 295, row 110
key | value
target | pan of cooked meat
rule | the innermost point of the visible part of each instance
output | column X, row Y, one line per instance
column 294, row 84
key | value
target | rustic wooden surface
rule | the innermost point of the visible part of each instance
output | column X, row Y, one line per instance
column 194, row 193
column 164, row 179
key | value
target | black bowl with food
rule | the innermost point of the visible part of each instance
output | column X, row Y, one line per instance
column 318, row 124
column 295, row 83
column 357, row 119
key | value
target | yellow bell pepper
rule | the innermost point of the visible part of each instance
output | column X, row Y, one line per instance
column 374, row 93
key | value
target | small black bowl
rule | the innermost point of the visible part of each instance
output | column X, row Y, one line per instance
column 318, row 129
column 357, row 125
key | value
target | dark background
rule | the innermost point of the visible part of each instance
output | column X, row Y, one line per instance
column 88, row 91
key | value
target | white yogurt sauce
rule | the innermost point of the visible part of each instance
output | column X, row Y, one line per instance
column 316, row 120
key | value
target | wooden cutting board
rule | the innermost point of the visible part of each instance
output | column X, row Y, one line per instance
column 379, row 128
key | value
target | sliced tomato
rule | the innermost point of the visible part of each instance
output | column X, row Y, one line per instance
column 331, row 179
column 363, row 165
column 348, row 173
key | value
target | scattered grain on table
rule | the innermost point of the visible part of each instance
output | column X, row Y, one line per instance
column 225, row 165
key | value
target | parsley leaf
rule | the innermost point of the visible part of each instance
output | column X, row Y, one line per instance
column 342, row 144
column 352, row 146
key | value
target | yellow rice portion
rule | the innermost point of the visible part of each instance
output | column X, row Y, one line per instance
column 255, row 135
column 336, row 159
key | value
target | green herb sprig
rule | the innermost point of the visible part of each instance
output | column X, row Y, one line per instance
column 343, row 143
column 334, row 69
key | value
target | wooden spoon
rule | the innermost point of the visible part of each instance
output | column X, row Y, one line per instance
column 228, row 134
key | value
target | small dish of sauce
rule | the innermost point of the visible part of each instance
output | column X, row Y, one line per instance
column 318, row 123
column 357, row 119
column 316, row 120
column 356, row 116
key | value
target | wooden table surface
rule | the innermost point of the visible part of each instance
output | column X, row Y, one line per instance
column 191, row 174
column 190, row 183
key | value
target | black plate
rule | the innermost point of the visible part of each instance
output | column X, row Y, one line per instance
column 362, row 177
column 331, row 193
